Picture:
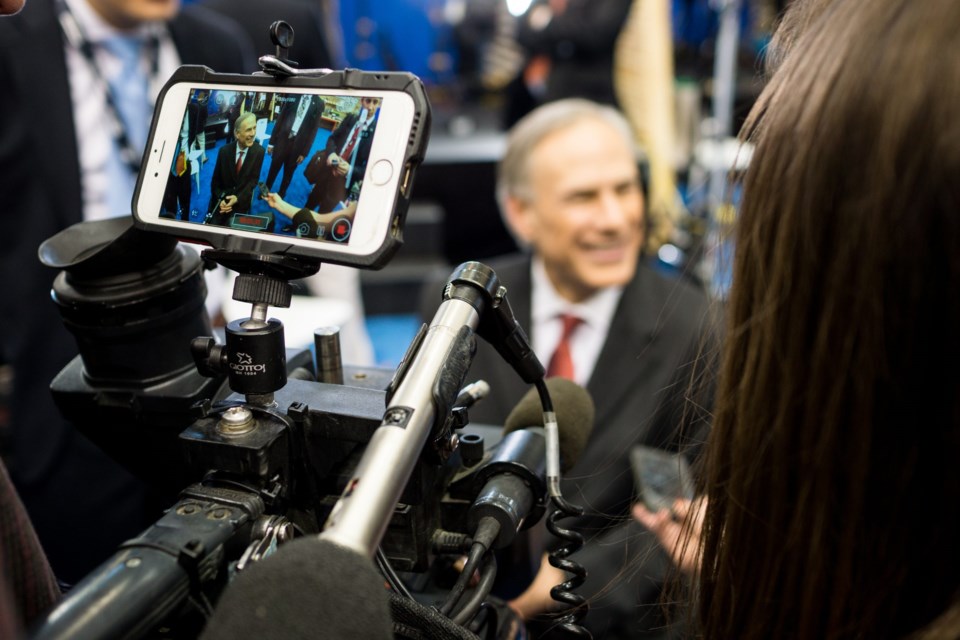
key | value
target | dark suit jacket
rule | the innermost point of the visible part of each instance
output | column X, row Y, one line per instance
column 196, row 121
column 303, row 141
column 40, row 194
column 311, row 47
column 339, row 137
column 658, row 323
column 225, row 179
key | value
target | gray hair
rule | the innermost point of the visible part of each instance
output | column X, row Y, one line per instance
column 513, row 172
column 246, row 115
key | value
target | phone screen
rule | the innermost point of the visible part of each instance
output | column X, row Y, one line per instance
column 282, row 163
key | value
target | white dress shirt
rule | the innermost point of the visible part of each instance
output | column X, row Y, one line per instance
column 547, row 307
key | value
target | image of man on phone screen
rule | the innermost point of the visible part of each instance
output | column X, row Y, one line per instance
column 236, row 172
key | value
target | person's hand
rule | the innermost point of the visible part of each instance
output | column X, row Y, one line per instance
column 226, row 206
column 536, row 598
column 299, row 159
column 331, row 158
column 678, row 530
column 270, row 150
column 274, row 201
column 343, row 168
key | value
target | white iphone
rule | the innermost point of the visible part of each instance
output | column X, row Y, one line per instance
column 317, row 167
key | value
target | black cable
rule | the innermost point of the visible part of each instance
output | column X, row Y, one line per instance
column 487, row 575
column 386, row 569
column 546, row 403
column 473, row 559
column 577, row 606
column 487, row 618
column 487, row 531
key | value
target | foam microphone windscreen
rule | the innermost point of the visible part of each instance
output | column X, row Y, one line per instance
column 309, row 588
column 575, row 413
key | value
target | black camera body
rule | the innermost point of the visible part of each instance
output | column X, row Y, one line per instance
column 232, row 463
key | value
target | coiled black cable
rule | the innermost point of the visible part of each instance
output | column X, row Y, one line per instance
column 577, row 606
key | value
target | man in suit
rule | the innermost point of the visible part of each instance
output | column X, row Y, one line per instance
column 193, row 142
column 53, row 134
column 570, row 190
column 292, row 137
column 236, row 172
column 344, row 159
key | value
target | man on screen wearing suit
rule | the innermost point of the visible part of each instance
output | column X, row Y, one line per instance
column 190, row 153
column 55, row 128
column 236, row 172
column 344, row 159
column 292, row 137
column 570, row 190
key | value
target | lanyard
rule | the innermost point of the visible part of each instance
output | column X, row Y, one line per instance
column 78, row 41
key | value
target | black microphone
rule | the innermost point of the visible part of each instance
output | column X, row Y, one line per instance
column 515, row 477
column 308, row 588
column 575, row 414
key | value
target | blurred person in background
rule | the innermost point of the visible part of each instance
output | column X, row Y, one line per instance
column 68, row 156
column 570, row 191
column 831, row 495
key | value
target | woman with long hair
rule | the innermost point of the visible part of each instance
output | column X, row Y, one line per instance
column 832, row 487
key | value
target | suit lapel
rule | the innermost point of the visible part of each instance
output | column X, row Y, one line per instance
column 634, row 323
column 54, row 128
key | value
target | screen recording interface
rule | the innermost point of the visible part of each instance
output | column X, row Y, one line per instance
column 288, row 164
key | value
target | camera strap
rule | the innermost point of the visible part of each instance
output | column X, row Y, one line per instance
column 76, row 39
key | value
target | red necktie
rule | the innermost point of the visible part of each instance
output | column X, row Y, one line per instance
column 561, row 364
column 240, row 161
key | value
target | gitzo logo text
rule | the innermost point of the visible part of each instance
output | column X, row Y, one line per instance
column 245, row 366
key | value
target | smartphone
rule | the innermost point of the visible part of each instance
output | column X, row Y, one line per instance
column 314, row 167
column 660, row 477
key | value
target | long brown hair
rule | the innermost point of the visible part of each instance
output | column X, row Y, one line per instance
column 832, row 469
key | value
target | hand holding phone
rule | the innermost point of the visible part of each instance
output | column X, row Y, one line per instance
column 678, row 531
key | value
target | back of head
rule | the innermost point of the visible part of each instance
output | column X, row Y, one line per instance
column 834, row 499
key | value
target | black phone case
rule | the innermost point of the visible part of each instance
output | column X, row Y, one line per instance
column 346, row 79
column 661, row 477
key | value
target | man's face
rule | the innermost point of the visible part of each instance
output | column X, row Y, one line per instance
column 126, row 14
column 370, row 104
column 246, row 133
column 585, row 218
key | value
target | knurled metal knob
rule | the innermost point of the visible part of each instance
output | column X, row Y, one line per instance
column 270, row 291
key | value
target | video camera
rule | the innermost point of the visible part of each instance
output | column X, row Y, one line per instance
column 274, row 444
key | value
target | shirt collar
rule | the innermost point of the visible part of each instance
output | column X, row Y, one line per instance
column 596, row 311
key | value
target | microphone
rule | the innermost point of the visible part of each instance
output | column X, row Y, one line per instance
column 308, row 588
column 575, row 414
column 515, row 478
column 430, row 379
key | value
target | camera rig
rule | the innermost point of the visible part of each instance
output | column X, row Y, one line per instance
column 273, row 444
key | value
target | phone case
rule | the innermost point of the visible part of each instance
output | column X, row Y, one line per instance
column 346, row 79
column 661, row 477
